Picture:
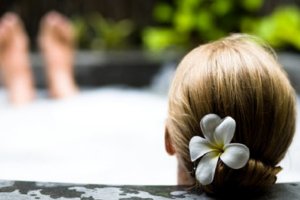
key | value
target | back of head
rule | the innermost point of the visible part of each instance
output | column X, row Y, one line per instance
column 238, row 77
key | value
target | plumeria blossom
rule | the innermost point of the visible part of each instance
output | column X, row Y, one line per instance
column 216, row 145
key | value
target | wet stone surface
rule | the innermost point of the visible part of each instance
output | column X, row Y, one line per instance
column 17, row 190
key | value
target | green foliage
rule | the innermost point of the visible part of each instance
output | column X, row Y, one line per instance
column 96, row 32
column 158, row 37
column 252, row 5
column 181, row 24
column 186, row 23
column 281, row 29
column 162, row 12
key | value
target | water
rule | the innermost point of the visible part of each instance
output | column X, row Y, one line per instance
column 111, row 136
column 105, row 136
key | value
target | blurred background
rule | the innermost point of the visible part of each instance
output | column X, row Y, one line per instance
column 163, row 24
column 145, row 34
column 127, row 52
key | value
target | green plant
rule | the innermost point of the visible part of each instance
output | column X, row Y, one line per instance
column 96, row 32
column 184, row 23
column 281, row 29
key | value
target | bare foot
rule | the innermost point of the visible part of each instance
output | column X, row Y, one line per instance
column 56, row 40
column 14, row 60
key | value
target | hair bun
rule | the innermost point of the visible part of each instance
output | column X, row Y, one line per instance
column 254, row 177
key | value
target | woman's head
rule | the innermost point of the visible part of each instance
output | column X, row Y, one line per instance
column 238, row 77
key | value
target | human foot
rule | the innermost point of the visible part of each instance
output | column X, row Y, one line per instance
column 14, row 60
column 56, row 40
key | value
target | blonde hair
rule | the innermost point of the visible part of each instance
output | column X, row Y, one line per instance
column 236, row 76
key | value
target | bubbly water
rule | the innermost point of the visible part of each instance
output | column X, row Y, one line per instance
column 105, row 136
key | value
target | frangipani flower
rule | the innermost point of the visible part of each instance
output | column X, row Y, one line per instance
column 218, row 134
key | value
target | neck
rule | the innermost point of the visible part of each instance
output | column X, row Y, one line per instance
column 183, row 176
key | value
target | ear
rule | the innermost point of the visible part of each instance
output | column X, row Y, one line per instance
column 168, row 143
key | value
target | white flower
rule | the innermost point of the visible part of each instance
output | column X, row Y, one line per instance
column 218, row 134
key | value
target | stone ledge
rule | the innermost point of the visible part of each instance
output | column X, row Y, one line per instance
column 19, row 190
column 291, row 63
column 136, row 68
column 98, row 68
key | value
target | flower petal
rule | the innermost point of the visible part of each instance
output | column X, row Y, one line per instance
column 206, row 168
column 235, row 155
column 225, row 131
column 208, row 125
column 198, row 147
